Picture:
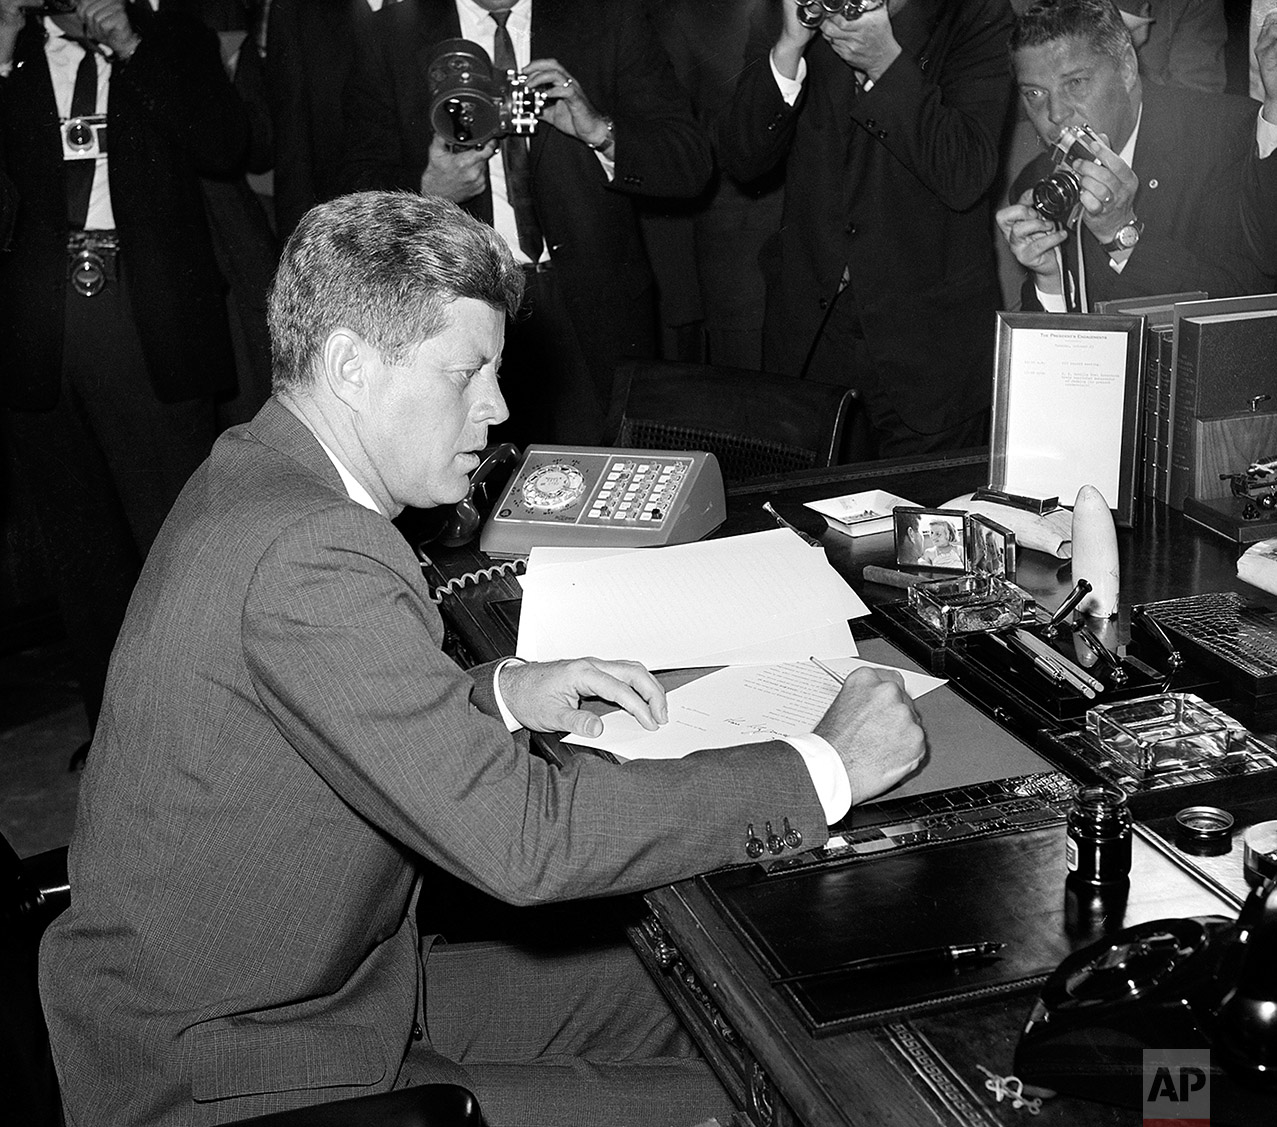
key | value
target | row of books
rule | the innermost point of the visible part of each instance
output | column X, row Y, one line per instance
column 1209, row 391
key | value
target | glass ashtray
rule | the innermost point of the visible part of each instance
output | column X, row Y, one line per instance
column 967, row 604
column 1167, row 732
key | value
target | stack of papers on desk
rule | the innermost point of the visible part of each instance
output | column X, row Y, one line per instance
column 765, row 597
column 739, row 705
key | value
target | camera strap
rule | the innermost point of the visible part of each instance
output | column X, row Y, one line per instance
column 79, row 173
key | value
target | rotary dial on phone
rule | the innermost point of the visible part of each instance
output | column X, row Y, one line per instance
column 552, row 487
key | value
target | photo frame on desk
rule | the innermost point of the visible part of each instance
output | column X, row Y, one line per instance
column 1067, row 393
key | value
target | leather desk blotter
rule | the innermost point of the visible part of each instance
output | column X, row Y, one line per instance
column 1009, row 889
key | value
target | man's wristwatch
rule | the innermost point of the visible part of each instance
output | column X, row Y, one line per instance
column 1125, row 238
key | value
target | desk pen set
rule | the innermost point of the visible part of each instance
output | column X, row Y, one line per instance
column 1138, row 715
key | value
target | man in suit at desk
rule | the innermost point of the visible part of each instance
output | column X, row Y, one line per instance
column 283, row 737
column 1182, row 186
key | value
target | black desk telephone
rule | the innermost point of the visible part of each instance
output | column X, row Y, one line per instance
column 1203, row 983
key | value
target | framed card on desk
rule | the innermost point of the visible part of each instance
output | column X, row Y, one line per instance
column 1066, row 406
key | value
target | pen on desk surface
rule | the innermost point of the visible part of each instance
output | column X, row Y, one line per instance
column 1057, row 671
column 780, row 520
column 1044, row 667
column 1072, row 671
column 839, row 677
column 955, row 954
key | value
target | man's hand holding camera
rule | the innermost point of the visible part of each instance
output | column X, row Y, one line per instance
column 1106, row 199
column 865, row 42
column 107, row 22
column 1108, row 191
column 567, row 107
column 456, row 174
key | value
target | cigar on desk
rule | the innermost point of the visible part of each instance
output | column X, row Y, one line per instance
column 889, row 577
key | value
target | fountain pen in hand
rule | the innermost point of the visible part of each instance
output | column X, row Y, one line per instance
column 953, row 955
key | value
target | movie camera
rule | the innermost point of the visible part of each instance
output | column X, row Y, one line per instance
column 470, row 102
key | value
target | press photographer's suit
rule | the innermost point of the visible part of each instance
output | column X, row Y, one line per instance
column 892, row 185
column 283, row 739
column 590, row 225
column 1194, row 154
column 109, row 398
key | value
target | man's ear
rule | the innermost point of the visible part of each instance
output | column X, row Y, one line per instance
column 346, row 360
column 1130, row 69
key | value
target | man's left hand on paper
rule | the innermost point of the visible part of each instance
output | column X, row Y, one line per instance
column 546, row 696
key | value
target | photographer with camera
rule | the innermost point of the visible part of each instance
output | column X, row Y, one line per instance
column 111, row 306
column 1155, row 189
column 886, row 119
column 614, row 125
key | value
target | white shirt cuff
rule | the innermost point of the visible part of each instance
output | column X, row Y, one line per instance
column 828, row 775
column 1265, row 136
column 507, row 717
column 789, row 88
column 1051, row 302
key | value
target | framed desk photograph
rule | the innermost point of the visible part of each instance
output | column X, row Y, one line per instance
column 1067, row 396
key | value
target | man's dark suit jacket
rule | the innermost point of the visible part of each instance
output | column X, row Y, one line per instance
column 892, row 184
column 172, row 117
column 590, row 225
column 311, row 47
column 282, row 738
column 1197, row 162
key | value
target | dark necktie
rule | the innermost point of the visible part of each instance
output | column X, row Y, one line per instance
column 514, row 154
column 79, row 173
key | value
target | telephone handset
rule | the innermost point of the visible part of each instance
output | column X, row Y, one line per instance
column 455, row 525
column 1205, row 984
column 598, row 496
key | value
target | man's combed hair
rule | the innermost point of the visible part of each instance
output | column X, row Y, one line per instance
column 385, row 265
column 1098, row 22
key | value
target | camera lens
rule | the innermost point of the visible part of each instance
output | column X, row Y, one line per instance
column 1056, row 196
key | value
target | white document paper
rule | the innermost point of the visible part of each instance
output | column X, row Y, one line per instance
column 740, row 704
column 1070, row 394
column 767, row 596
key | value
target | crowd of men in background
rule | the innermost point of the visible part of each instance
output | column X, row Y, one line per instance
column 710, row 180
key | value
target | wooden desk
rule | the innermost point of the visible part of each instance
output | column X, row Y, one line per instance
column 907, row 1073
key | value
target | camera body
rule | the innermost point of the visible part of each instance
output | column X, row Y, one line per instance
column 812, row 13
column 470, row 103
column 1058, row 195
column 84, row 138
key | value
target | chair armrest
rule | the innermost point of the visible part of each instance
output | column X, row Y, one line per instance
column 427, row 1105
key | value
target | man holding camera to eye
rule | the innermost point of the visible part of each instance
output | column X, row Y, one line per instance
column 1170, row 189
column 111, row 307
column 882, row 275
column 615, row 126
